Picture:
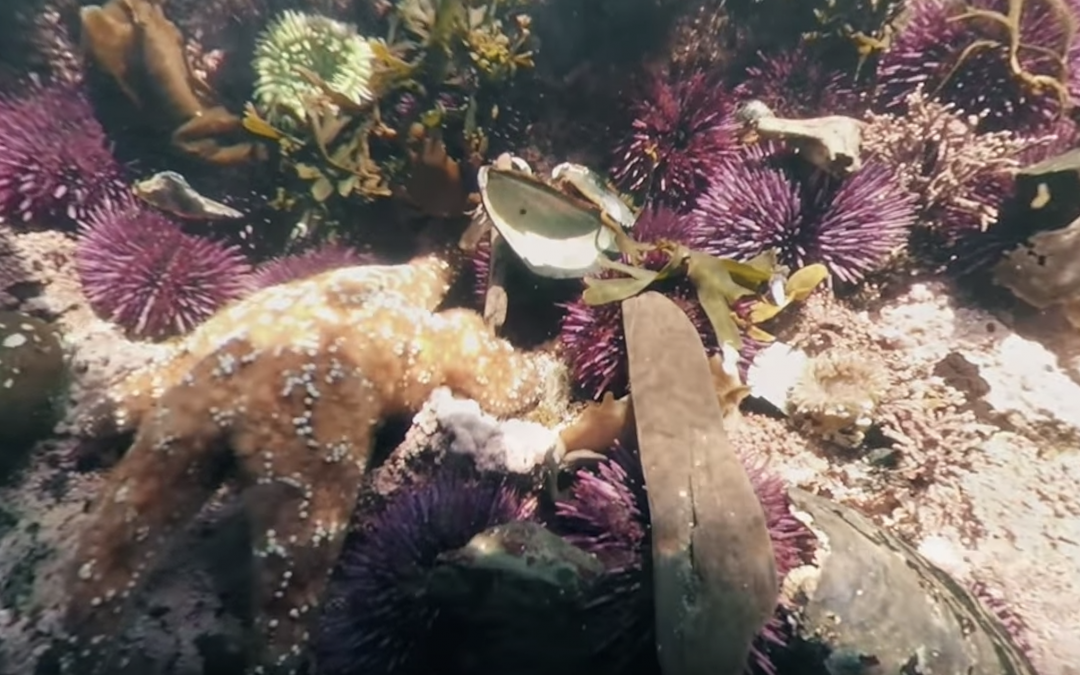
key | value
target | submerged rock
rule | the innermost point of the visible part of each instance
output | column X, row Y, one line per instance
column 1043, row 271
column 32, row 375
column 872, row 605
column 509, row 599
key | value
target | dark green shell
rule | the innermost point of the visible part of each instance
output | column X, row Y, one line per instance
column 33, row 375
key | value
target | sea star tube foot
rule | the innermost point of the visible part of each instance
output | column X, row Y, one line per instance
column 283, row 389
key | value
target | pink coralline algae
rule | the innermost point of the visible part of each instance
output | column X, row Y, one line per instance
column 680, row 129
column 142, row 272
column 56, row 164
column 928, row 52
column 765, row 199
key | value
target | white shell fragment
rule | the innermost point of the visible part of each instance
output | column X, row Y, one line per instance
column 555, row 235
column 170, row 192
column 831, row 143
column 594, row 188
column 773, row 373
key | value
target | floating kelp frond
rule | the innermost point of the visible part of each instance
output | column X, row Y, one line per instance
column 720, row 284
column 330, row 49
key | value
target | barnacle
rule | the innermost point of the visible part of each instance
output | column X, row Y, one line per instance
column 837, row 396
column 297, row 44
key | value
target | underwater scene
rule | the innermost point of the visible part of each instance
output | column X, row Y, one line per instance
column 540, row 337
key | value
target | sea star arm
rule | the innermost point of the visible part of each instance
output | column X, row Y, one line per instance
column 159, row 485
column 292, row 400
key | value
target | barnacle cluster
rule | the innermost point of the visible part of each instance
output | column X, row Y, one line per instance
column 837, row 395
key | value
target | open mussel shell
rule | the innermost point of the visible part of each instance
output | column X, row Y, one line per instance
column 554, row 234
column 593, row 187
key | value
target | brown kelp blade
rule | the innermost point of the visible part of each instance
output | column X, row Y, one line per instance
column 713, row 567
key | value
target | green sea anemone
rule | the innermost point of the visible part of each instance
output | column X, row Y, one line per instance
column 297, row 42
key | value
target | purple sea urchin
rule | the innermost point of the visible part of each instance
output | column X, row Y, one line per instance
column 377, row 619
column 760, row 200
column 55, row 162
column 796, row 83
column 928, row 52
column 309, row 263
column 144, row 273
column 679, row 132
column 607, row 514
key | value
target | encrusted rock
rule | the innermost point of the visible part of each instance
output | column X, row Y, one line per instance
column 518, row 590
column 1026, row 386
column 32, row 376
column 872, row 604
column 449, row 429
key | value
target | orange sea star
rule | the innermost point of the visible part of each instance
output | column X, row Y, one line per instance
column 284, row 388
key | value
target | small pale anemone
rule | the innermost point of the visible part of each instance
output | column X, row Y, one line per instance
column 142, row 272
column 928, row 50
column 837, row 396
column 377, row 618
column 296, row 42
column 592, row 335
column 607, row 514
column 765, row 199
column 680, row 130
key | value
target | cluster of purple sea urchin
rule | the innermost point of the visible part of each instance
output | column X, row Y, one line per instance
column 142, row 272
column 680, row 130
column 56, row 164
column 376, row 619
column 762, row 199
column 930, row 52
column 307, row 264
column 607, row 514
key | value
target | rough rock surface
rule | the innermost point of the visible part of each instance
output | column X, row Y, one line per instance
column 986, row 487
column 985, row 481
column 40, row 514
